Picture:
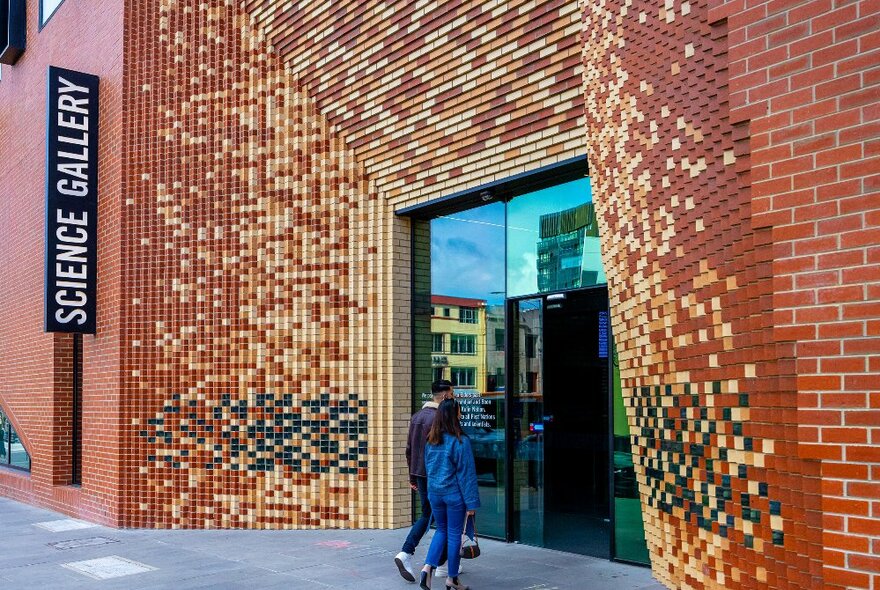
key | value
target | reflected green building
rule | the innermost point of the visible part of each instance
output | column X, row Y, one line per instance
column 565, row 258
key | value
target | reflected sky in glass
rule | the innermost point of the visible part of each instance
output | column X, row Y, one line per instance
column 49, row 7
column 467, row 254
column 467, row 248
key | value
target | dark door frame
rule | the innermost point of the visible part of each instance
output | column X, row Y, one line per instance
column 510, row 305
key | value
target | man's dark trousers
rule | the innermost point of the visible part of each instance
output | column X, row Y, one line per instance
column 421, row 525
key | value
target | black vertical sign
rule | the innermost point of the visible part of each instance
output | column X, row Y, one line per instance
column 71, row 201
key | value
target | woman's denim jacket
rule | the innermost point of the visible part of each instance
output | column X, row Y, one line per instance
column 451, row 470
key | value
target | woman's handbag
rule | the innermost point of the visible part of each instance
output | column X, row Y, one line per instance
column 470, row 547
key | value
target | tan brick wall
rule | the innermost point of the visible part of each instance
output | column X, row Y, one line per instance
column 437, row 97
column 256, row 350
column 449, row 96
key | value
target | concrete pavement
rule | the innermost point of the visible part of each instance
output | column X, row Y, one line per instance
column 44, row 550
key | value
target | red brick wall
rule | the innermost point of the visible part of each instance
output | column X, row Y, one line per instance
column 35, row 367
column 807, row 77
column 712, row 404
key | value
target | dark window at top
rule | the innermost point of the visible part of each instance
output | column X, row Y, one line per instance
column 13, row 30
column 463, row 344
column 467, row 315
column 531, row 340
column 464, row 376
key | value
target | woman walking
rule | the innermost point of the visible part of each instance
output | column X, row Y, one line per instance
column 452, row 490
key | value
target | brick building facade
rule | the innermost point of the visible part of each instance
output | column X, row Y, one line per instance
column 252, row 365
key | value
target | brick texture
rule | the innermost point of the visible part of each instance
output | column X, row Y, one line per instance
column 712, row 401
column 437, row 97
column 253, row 336
column 807, row 79
column 252, row 363
column 36, row 368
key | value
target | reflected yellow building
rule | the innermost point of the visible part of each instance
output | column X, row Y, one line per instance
column 458, row 341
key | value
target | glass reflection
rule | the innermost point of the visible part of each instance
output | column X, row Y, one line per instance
column 12, row 451
column 18, row 456
column 553, row 240
column 629, row 528
column 459, row 325
column 4, row 440
column 472, row 268
column 527, row 418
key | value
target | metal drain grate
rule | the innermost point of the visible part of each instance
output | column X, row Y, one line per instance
column 88, row 542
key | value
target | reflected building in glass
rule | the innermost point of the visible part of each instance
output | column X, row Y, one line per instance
column 495, row 348
column 12, row 451
column 565, row 260
column 458, row 341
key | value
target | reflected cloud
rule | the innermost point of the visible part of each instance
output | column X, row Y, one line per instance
column 461, row 247
column 523, row 277
column 467, row 254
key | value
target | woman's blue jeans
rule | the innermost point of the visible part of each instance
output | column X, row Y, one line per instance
column 449, row 514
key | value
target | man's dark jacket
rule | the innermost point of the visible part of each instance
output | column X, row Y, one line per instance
column 418, row 438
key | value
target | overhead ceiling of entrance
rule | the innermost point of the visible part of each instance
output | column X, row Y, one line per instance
column 448, row 94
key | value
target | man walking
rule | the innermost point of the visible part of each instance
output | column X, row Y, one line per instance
column 418, row 479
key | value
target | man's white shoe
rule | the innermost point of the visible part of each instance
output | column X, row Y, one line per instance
column 403, row 561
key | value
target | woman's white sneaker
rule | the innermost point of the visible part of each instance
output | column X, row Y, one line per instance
column 442, row 570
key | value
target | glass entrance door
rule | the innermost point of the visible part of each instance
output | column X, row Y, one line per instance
column 560, row 422
column 527, row 420
column 508, row 304
column 577, row 423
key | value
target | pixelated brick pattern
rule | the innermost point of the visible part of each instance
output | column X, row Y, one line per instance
column 252, row 339
column 436, row 97
column 710, row 398
column 806, row 75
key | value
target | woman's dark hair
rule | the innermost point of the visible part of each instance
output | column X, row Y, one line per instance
column 446, row 420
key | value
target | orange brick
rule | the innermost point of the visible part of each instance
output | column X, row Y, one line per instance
column 844, row 435
column 868, row 454
column 844, row 400
column 863, row 489
column 822, row 451
column 819, row 382
column 846, row 506
column 864, row 562
column 846, row 578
